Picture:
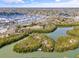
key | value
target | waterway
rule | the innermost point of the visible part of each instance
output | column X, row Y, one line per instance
column 7, row 51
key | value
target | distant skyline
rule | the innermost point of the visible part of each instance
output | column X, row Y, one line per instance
column 39, row 3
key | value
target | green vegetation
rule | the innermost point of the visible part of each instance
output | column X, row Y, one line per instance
column 68, row 25
column 44, row 29
column 33, row 43
column 66, row 43
column 74, row 32
column 48, row 45
column 37, row 41
column 28, row 45
column 12, row 38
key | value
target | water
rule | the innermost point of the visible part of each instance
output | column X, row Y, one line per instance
column 7, row 51
column 61, row 31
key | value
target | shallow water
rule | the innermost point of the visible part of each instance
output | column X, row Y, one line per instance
column 61, row 31
column 7, row 51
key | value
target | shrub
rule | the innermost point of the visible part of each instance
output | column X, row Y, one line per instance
column 12, row 38
column 46, row 29
column 66, row 43
column 33, row 42
column 73, row 32
column 48, row 45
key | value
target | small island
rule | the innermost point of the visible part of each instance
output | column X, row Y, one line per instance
column 66, row 43
column 35, row 42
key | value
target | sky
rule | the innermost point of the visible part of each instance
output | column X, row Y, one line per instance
column 39, row 3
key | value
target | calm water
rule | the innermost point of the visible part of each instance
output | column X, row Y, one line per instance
column 7, row 51
column 61, row 31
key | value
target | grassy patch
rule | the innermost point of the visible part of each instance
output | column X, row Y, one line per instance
column 12, row 38
column 73, row 32
column 66, row 43
column 68, row 25
column 43, row 29
column 33, row 43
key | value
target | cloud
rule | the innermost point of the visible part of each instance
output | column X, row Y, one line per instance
column 58, row 0
column 70, row 3
column 13, row 1
column 74, row 1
